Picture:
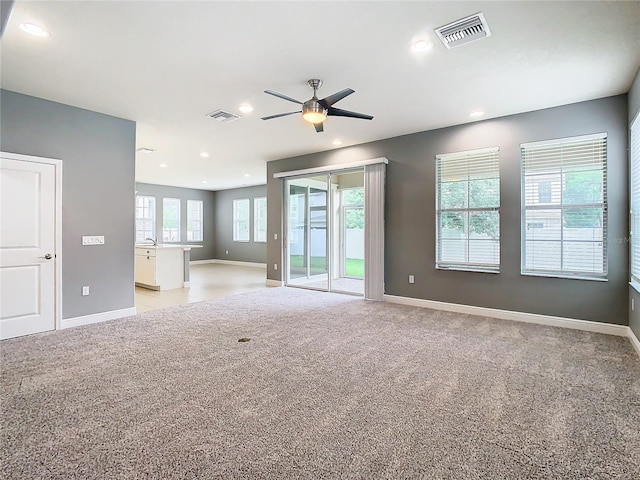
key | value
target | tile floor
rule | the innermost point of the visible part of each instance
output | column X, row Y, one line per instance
column 208, row 282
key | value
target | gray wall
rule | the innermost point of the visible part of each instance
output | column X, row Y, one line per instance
column 410, row 213
column 184, row 194
column 634, row 109
column 238, row 251
column 98, row 155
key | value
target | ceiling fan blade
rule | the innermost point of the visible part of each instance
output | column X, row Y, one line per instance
column 279, row 115
column 319, row 127
column 336, row 112
column 284, row 97
column 331, row 99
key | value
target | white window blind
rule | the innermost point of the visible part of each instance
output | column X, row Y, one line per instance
column 564, row 233
column 635, row 200
column 260, row 219
column 145, row 218
column 241, row 220
column 195, row 220
column 467, row 210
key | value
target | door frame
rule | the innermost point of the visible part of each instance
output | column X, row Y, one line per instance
column 57, row 237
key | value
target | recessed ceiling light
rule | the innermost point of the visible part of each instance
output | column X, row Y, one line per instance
column 34, row 30
column 247, row 175
column 337, row 141
column 476, row 113
column 204, row 181
column 421, row 46
column 163, row 165
column 204, row 154
column 145, row 150
column 245, row 108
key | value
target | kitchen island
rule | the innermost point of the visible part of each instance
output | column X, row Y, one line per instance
column 162, row 267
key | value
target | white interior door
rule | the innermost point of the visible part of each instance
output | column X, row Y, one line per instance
column 27, row 247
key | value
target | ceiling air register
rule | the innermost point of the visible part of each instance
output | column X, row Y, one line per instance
column 463, row 31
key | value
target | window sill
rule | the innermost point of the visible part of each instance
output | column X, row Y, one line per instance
column 565, row 277
column 468, row 269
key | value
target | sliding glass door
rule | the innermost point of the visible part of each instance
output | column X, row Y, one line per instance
column 325, row 232
column 308, row 232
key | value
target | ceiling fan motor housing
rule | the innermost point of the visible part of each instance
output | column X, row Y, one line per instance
column 311, row 109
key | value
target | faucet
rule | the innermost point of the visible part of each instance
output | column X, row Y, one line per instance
column 153, row 240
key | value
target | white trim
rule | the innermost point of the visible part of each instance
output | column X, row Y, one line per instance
column 597, row 327
column 97, row 317
column 58, row 226
column 241, row 264
column 186, row 284
column 201, row 262
column 634, row 341
column 228, row 262
column 330, row 168
column 274, row 283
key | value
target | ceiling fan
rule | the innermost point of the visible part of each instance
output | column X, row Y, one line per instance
column 316, row 111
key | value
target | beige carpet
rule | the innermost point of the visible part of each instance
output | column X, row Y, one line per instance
column 329, row 386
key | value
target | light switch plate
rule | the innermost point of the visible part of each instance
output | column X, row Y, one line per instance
column 93, row 240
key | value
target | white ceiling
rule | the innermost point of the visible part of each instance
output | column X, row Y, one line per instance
column 166, row 65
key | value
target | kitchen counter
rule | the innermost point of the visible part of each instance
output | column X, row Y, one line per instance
column 162, row 267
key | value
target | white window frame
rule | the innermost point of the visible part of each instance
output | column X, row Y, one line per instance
column 241, row 232
column 260, row 219
column 527, row 149
column 167, row 231
column 487, row 161
column 148, row 217
column 634, row 201
column 196, row 232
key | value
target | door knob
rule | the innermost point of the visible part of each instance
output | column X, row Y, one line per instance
column 47, row 256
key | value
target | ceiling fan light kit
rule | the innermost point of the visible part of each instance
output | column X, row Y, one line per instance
column 316, row 111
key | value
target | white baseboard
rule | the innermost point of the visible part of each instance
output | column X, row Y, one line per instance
column 274, row 283
column 229, row 262
column 634, row 340
column 97, row 317
column 597, row 327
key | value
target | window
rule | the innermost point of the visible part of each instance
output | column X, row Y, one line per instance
column 145, row 218
column 467, row 210
column 170, row 219
column 635, row 201
column 570, row 235
column 194, row 220
column 544, row 191
column 260, row 219
column 241, row 220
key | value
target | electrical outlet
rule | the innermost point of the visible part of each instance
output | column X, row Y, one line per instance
column 85, row 290
column 275, row 266
column 275, row 236
column 226, row 252
column 412, row 279
column 633, row 304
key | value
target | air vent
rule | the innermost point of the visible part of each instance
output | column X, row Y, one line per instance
column 464, row 31
column 223, row 116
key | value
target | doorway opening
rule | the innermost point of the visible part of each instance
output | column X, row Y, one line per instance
column 325, row 231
